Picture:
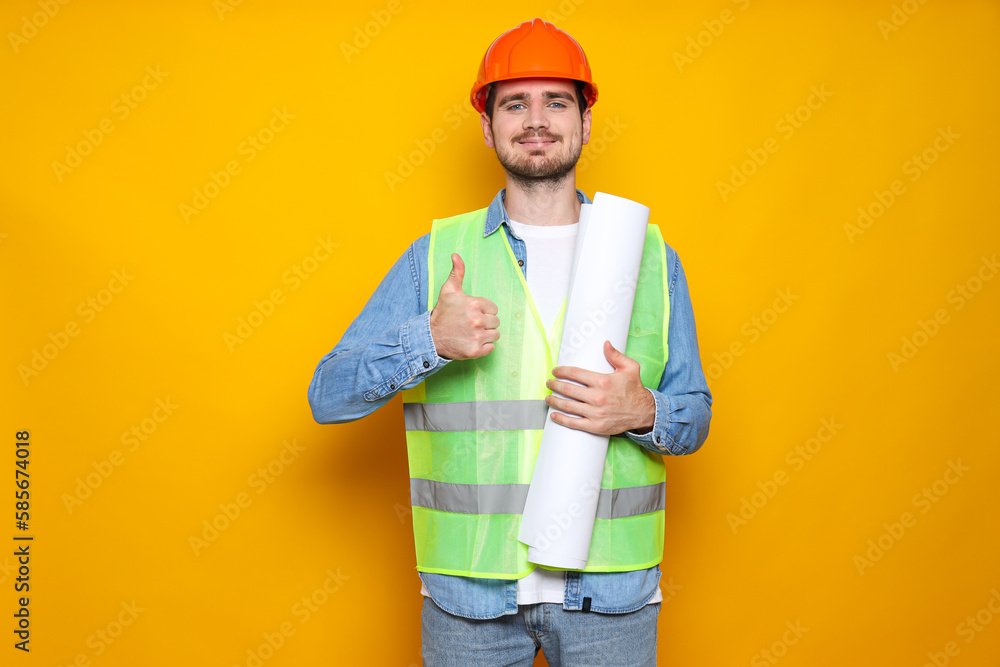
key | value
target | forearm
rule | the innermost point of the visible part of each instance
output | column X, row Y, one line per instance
column 387, row 348
column 351, row 382
column 680, row 424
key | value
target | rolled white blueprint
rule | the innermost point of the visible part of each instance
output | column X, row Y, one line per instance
column 558, row 518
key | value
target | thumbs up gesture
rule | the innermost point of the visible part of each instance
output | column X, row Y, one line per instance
column 463, row 326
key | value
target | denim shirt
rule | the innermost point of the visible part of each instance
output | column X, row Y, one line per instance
column 389, row 348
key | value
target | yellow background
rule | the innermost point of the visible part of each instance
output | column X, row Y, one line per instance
column 673, row 130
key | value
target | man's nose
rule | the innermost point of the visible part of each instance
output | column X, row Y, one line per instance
column 536, row 118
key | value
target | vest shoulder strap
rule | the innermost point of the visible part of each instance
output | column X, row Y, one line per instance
column 438, row 225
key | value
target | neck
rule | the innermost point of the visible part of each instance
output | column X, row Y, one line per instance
column 543, row 203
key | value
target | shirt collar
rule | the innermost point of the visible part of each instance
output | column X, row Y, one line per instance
column 497, row 214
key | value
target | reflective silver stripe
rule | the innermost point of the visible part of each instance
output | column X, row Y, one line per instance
column 468, row 498
column 631, row 501
column 509, row 498
column 475, row 416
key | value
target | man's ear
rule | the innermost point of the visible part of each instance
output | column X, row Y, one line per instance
column 586, row 125
column 487, row 129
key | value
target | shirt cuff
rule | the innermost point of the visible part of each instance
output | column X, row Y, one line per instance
column 418, row 344
column 420, row 359
column 656, row 439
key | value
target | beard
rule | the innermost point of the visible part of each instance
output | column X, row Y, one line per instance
column 529, row 171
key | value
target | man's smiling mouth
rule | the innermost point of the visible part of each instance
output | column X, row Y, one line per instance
column 532, row 143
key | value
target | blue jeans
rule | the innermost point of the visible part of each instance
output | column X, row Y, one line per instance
column 567, row 638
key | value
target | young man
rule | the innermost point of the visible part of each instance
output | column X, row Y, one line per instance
column 466, row 324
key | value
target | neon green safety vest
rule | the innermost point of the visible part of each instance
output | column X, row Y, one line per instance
column 473, row 427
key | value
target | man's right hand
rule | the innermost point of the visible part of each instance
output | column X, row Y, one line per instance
column 463, row 326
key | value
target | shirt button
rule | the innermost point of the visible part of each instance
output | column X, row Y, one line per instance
column 520, row 262
column 392, row 386
column 513, row 374
column 427, row 364
column 657, row 439
column 517, row 316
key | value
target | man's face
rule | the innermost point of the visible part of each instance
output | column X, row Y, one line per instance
column 536, row 129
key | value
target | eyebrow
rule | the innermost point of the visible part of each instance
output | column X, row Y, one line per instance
column 547, row 95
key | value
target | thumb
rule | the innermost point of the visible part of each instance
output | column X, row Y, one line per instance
column 617, row 359
column 457, row 275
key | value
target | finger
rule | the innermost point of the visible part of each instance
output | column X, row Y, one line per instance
column 488, row 306
column 567, row 405
column 570, row 422
column 616, row 358
column 457, row 275
column 577, row 374
column 491, row 322
column 568, row 389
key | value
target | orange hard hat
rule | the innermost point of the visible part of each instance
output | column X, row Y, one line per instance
column 535, row 48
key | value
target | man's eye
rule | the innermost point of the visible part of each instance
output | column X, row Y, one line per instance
column 512, row 106
column 559, row 104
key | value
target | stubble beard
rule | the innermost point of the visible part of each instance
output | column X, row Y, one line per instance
column 532, row 174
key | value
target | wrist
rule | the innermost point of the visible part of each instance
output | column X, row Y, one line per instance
column 435, row 337
column 648, row 414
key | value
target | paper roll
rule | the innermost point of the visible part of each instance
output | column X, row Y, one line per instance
column 558, row 518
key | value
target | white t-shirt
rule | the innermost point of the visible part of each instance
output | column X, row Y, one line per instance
column 549, row 251
column 550, row 260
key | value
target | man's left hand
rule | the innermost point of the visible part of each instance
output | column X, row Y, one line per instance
column 608, row 403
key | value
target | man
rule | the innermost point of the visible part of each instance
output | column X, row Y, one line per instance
column 473, row 375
